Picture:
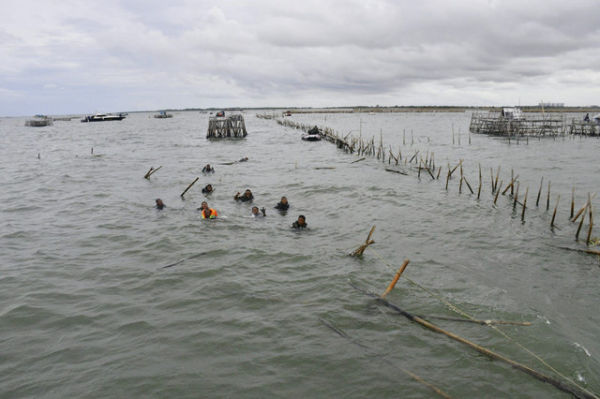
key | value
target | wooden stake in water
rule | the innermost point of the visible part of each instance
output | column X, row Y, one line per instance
column 396, row 277
column 537, row 202
column 498, row 192
column 492, row 180
column 516, row 198
column 524, row 204
column 581, row 222
column 497, row 176
column 548, row 198
column 512, row 191
column 480, row 182
column 589, row 236
column 554, row 214
column 572, row 203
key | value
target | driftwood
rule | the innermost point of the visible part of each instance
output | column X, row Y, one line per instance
column 396, row 171
column 151, row 172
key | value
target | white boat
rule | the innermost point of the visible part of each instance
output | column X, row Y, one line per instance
column 39, row 121
column 311, row 137
column 103, row 117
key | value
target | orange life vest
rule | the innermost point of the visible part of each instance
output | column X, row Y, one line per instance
column 213, row 214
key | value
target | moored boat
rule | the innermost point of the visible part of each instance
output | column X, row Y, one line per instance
column 39, row 121
column 163, row 115
column 103, row 117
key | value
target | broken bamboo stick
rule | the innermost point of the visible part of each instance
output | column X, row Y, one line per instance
column 188, row 187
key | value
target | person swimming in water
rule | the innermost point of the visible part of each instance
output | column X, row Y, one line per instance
column 243, row 159
column 207, row 213
column 208, row 169
column 246, row 197
column 300, row 223
column 283, row 204
column 160, row 204
column 256, row 214
column 208, row 189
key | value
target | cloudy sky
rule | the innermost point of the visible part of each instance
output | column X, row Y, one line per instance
column 67, row 56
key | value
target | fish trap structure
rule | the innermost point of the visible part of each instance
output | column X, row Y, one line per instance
column 584, row 128
column 510, row 122
column 226, row 127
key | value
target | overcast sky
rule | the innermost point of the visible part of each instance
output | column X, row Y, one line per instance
column 61, row 57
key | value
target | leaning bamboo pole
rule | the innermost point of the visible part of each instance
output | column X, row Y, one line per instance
column 575, row 391
column 188, row 187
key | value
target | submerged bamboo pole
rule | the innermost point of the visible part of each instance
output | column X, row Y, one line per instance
column 583, row 208
column 510, row 185
column 581, row 222
column 575, row 391
column 497, row 176
column 548, row 197
column 188, row 187
column 420, row 380
column 492, row 180
column 515, row 199
column 469, row 186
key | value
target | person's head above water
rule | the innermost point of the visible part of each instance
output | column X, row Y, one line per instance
column 204, row 205
column 284, row 200
column 255, row 210
column 208, row 187
column 159, row 203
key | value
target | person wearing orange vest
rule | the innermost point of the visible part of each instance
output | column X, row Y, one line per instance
column 208, row 213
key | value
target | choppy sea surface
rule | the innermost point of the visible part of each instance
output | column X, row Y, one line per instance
column 88, row 308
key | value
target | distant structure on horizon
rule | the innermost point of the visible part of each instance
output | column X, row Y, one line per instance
column 552, row 105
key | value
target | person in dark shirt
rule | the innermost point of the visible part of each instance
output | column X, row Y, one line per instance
column 256, row 214
column 208, row 189
column 246, row 197
column 159, row 204
column 300, row 223
column 208, row 169
column 283, row 204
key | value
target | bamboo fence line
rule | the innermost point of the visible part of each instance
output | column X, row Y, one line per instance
column 419, row 162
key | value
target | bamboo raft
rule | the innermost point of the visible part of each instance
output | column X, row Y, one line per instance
column 494, row 123
column 230, row 127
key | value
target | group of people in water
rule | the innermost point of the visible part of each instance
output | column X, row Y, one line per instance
column 210, row 213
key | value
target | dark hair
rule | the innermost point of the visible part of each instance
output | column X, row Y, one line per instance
column 301, row 216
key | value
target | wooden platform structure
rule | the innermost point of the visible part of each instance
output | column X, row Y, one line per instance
column 494, row 123
column 226, row 127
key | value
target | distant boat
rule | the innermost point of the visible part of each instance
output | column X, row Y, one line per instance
column 220, row 114
column 39, row 121
column 103, row 117
column 163, row 115
column 311, row 137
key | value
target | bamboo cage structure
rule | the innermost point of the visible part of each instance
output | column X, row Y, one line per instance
column 230, row 127
column 494, row 123
column 584, row 128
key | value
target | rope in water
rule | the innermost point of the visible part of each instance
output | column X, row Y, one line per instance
column 456, row 309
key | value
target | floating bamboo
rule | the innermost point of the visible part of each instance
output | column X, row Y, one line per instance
column 359, row 251
column 575, row 391
column 188, row 187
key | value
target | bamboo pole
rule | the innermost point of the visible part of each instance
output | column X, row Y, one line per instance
column 498, row 192
column 480, row 183
column 516, row 197
column 537, row 201
column 581, row 223
column 524, row 204
column 358, row 160
column 469, row 186
column 497, row 176
column 438, row 173
column 572, row 202
column 510, row 185
column 460, row 185
column 575, row 391
column 148, row 173
column 583, row 208
column 492, row 181
column 554, row 214
column 396, row 277
column 420, row 380
column 359, row 251
column 151, row 172
column 188, row 187
column 548, row 198
column 589, row 236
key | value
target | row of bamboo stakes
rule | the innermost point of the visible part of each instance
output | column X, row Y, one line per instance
column 370, row 148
